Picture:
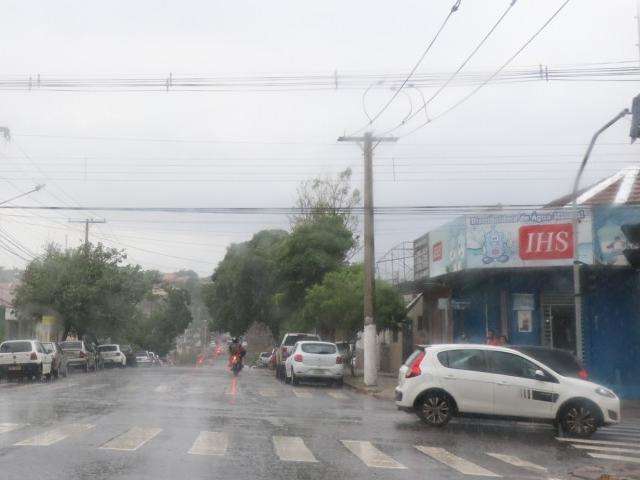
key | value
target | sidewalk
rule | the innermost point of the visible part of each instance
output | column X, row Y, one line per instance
column 384, row 390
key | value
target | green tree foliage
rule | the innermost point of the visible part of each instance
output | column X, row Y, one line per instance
column 89, row 288
column 313, row 249
column 169, row 318
column 336, row 304
column 244, row 284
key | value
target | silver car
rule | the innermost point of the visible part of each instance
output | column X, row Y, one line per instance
column 143, row 359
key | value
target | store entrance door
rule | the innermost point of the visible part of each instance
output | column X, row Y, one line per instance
column 559, row 329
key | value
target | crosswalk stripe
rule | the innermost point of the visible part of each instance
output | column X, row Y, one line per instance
column 267, row 392
column 620, row 434
column 161, row 389
column 132, row 439
column 517, row 462
column 337, row 395
column 210, row 443
column 619, row 458
column 55, row 435
column 620, row 429
column 606, row 449
column 597, row 442
column 460, row 464
column 9, row 427
column 292, row 449
column 302, row 393
column 370, row 455
column 275, row 421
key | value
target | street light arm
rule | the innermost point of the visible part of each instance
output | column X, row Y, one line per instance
column 37, row 188
column 587, row 154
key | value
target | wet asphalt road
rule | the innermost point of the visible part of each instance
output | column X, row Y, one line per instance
column 187, row 423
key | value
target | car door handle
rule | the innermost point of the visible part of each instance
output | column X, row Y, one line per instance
column 502, row 383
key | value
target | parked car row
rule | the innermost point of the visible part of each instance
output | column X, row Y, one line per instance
column 304, row 356
column 45, row 360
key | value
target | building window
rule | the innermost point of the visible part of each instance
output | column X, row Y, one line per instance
column 420, row 322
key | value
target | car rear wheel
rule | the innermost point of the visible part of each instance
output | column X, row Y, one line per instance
column 435, row 409
column 579, row 420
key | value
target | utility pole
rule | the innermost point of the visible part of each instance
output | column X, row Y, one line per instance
column 369, row 340
column 87, row 222
column 638, row 25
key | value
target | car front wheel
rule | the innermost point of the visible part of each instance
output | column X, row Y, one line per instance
column 435, row 409
column 579, row 420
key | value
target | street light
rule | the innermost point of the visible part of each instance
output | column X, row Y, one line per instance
column 577, row 290
column 37, row 188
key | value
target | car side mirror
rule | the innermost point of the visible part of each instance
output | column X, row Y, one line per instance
column 540, row 375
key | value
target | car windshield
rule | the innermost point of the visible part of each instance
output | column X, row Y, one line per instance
column 71, row 345
column 319, row 348
column 108, row 348
column 561, row 361
column 15, row 347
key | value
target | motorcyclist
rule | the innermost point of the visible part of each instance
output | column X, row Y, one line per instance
column 235, row 347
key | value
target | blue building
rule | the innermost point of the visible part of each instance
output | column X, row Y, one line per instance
column 510, row 271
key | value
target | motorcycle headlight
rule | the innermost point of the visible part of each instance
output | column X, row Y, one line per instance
column 605, row 392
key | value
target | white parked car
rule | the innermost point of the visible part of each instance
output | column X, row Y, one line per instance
column 317, row 360
column 441, row 381
column 24, row 358
column 143, row 359
column 112, row 355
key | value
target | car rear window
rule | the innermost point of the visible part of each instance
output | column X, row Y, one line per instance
column 560, row 361
column 412, row 357
column 15, row 347
column 71, row 345
column 108, row 348
column 265, row 354
column 141, row 354
column 293, row 339
column 319, row 348
column 48, row 347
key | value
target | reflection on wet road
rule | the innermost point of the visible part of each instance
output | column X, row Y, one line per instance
column 170, row 422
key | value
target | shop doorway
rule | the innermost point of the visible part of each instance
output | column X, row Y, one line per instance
column 560, row 326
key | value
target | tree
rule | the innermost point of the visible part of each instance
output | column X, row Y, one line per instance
column 307, row 254
column 336, row 304
column 326, row 196
column 88, row 287
column 244, row 284
column 158, row 330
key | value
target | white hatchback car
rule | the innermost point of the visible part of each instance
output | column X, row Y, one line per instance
column 317, row 360
column 441, row 381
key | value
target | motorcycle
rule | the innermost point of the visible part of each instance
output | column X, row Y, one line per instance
column 236, row 364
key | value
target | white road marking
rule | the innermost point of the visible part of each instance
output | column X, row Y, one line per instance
column 302, row 393
column 460, row 464
column 338, row 395
column 517, row 462
column 161, row 389
column 621, row 429
column 210, row 443
column 292, row 449
column 132, row 439
column 370, row 455
column 9, row 427
column 267, row 392
column 57, row 434
column 95, row 387
column 606, row 449
column 597, row 442
column 619, row 458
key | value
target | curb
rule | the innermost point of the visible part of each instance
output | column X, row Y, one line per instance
column 371, row 391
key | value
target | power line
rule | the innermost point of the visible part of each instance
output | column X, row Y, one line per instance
column 460, row 67
column 454, row 9
column 495, row 74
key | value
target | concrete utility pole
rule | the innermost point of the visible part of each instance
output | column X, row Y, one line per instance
column 369, row 340
column 577, row 285
column 87, row 222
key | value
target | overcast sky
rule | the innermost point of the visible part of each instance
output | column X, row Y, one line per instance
column 510, row 143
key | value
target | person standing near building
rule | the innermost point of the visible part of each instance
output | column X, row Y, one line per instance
column 492, row 339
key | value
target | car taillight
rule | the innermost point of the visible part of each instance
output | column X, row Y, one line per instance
column 338, row 360
column 81, row 354
column 583, row 374
column 414, row 369
column 34, row 356
column 298, row 357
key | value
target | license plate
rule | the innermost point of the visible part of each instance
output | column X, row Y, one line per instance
column 319, row 372
column 14, row 368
